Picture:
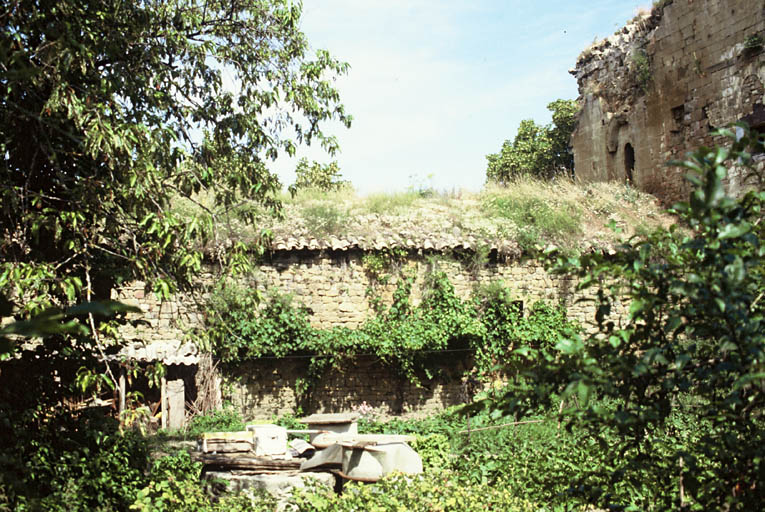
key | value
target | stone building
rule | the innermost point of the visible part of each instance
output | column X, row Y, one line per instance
column 658, row 87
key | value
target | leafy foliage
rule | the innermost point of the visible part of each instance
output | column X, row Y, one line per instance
column 406, row 336
column 510, row 336
column 689, row 353
column 69, row 463
column 108, row 112
column 222, row 420
column 541, row 151
column 173, row 484
column 112, row 111
column 430, row 492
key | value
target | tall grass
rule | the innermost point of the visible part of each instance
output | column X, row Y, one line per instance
column 389, row 203
column 541, row 211
column 323, row 219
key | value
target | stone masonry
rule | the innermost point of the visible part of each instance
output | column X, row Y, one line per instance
column 657, row 88
column 333, row 284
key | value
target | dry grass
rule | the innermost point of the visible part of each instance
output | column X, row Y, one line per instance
column 528, row 211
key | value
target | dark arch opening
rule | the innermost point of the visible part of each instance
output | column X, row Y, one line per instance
column 629, row 162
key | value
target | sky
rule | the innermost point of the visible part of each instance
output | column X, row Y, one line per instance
column 435, row 86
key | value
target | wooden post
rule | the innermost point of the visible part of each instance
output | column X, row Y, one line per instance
column 682, row 487
column 122, row 392
column 176, row 404
column 163, row 401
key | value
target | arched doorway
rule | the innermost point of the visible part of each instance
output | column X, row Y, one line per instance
column 629, row 162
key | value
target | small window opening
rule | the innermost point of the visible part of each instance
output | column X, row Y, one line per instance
column 678, row 113
column 629, row 162
column 756, row 121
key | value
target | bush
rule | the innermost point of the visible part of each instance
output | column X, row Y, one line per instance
column 174, row 484
column 227, row 419
column 317, row 176
column 70, row 463
column 674, row 393
column 427, row 493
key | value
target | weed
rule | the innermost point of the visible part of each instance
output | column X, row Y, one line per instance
column 753, row 44
column 641, row 69
column 390, row 203
column 537, row 220
column 323, row 219
column 629, row 194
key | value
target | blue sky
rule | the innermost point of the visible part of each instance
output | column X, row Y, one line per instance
column 435, row 86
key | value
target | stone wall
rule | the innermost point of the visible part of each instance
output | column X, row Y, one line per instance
column 264, row 388
column 334, row 284
column 656, row 89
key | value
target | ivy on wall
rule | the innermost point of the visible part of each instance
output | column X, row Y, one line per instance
column 244, row 326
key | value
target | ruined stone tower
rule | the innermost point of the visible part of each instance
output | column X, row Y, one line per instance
column 658, row 87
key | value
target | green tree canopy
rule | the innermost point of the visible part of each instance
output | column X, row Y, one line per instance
column 315, row 175
column 110, row 109
column 541, row 151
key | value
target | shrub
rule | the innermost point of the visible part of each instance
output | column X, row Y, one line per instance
column 688, row 356
column 227, row 419
column 641, row 69
column 174, row 484
column 70, row 463
column 427, row 493
column 318, row 176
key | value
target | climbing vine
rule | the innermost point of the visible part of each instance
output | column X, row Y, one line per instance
column 244, row 326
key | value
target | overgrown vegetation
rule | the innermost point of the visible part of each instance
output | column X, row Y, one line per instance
column 661, row 410
column 677, row 387
column 110, row 111
column 315, row 175
column 226, row 419
column 640, row 68
column 406, row 336
column 539, row 220
column 425, row 493
column 533, row 212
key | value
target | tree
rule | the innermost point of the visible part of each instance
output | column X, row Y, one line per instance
column 109, row 111
column 541, row 151
column 315, row 175
column 673, row 395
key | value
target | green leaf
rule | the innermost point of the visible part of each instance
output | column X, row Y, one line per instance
column 636, row 307
column 734, row 230
column 105, row 309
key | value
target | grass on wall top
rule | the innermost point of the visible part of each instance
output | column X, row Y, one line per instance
column 528, row 212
